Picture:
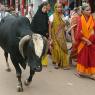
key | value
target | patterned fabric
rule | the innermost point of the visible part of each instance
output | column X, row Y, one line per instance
column 73, row 25
column 74, row 21
column 59, row 48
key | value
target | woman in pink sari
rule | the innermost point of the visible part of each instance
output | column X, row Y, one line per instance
column 75, row 14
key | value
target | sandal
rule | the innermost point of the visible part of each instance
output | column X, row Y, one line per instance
column 81, row 75
column 85, row 76
column 78, row 75
column 66, row 68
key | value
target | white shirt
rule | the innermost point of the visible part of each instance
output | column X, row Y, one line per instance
column 30, row 10
column 3, row 14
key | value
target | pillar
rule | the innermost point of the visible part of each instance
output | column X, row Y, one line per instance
column 22, row 7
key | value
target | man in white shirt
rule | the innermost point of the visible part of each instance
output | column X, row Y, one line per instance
column 3, row 13
column 30, row 12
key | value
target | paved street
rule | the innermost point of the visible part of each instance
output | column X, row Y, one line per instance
column 47, row 82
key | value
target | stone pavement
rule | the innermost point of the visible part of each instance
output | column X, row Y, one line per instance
column 47, row 82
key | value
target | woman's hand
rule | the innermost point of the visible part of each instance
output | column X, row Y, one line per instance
column 88, row 43
column 73, row 41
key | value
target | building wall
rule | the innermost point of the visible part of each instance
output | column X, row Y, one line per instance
column 36, row 3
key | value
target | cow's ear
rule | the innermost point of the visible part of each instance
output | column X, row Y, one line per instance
column 22, row 42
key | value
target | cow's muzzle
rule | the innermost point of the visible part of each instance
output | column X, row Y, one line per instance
column 37, row 69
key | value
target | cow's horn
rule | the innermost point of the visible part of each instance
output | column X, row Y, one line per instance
column 22, row 42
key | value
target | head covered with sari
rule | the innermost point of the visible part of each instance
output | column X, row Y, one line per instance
column 56, row 8
column 57, row 14
column 40, row 19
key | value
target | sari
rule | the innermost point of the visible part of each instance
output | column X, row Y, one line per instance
column 59, row 50
column 86, row 53
column 45, row 61
column 73, row 24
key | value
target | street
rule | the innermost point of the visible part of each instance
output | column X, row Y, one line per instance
column 47, row 82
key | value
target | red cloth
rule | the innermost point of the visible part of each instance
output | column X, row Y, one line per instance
column 22, row 7
column 78, row 36
column 86, row 57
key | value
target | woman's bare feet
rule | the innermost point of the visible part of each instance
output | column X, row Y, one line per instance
column 92, row 77
column 56, row 66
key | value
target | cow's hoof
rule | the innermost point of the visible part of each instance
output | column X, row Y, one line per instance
column 19, row 88
column 26, row 83
column 8, row 70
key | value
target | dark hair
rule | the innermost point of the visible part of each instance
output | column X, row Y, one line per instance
column 45, row 3
column 84, row 6
column 39, row 22
column 41, row 6
column 77, row 9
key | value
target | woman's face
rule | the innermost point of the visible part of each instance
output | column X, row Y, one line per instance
column 87, row 11
column 44, row 9
column 59, row 8
column 48, row 7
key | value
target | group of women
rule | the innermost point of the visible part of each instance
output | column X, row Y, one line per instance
column 82, row 33
column 83, row 39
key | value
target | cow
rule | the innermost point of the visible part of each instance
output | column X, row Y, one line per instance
column 24, row 46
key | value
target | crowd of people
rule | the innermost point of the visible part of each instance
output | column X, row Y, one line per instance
column 81, row 29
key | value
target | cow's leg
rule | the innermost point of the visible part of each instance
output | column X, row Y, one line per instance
column 7, row 64
column 28, row 81
column 18, row 74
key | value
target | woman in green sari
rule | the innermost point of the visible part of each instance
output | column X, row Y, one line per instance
column 59, row 50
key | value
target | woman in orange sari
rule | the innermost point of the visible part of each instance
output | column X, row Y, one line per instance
column 85, row 38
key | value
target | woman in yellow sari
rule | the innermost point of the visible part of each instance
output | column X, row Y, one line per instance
column 85, row 38
column 59, row 50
